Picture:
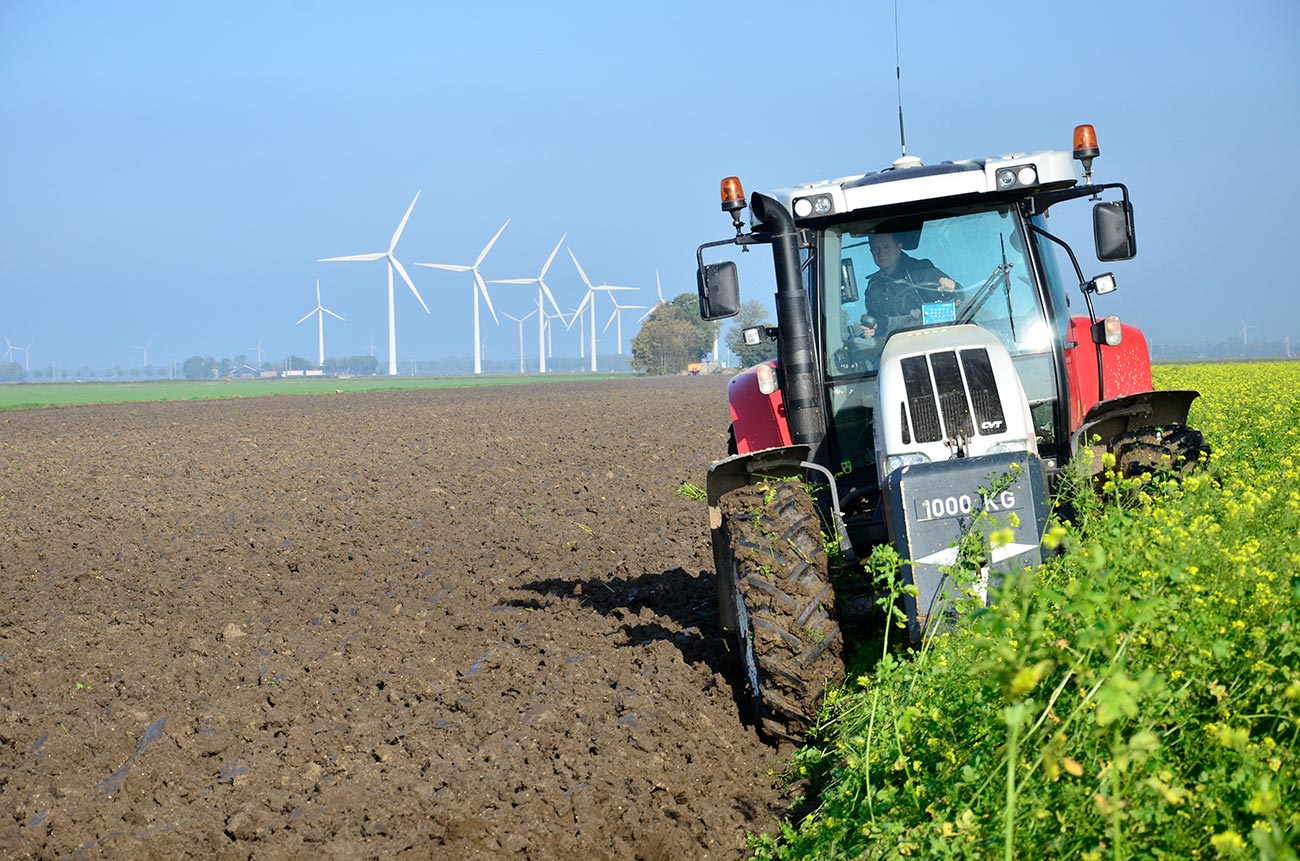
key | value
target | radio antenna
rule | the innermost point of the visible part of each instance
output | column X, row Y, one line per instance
column 898, row 76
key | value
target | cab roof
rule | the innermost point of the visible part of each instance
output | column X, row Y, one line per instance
column 907, row 180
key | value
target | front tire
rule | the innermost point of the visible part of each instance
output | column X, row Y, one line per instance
column 1176, row 449
column 779, row 576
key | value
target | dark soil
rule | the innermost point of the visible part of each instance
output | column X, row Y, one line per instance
column 474, row 623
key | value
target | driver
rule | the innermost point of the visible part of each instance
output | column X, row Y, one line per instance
column 892, row 292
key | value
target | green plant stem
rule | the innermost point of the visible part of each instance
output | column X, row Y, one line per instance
column 1009, row 824
column 866, row 758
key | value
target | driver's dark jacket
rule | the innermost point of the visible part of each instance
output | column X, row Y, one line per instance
column 891, row 296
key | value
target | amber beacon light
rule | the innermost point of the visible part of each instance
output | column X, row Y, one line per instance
column 1085, row 146
column 733, row 194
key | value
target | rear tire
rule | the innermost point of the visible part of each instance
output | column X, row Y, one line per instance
column 789, row 641
column 1176, row 450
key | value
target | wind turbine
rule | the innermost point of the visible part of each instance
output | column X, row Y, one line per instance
column 543, row 321
column 27, row 354
column 393, row 263
column 617, row 316
column 144, row 358
column 588, row 303
column 520, row 321
column 479, row 287
column 320, row 311
column 655, row 307
column 1244, row 327
column 258, row 348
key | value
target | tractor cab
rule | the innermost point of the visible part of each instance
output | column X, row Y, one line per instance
column 963, row 266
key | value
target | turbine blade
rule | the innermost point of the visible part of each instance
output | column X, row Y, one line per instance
column 659, row 287
column 450, row 267
column 398, row 232
column 610, row 321
column 585, row 280
column 554, row 251
column 547, row 290
column 491, row 242
column 305, row 317
column 407, row 278
column 332, row 314
column 376, row 256
column 513, row 281
column 482, row 288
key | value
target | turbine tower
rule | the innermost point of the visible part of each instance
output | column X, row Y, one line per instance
column 320, row 311
column 479, row 288
column 543, row 321
column 393, row 263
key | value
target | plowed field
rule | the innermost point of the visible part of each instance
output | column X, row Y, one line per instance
column 475, row 623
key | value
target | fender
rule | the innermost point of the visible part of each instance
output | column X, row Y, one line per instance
column 1126, row 369
column 1115, row 416
column 731, row 474
column 758, row 421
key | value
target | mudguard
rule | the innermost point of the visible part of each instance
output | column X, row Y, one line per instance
column 1109, row 418
column 734, row 473
column 932, row 506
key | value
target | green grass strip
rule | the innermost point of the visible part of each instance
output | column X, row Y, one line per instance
column 39, row 395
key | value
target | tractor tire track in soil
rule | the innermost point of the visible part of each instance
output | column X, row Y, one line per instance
column 457, row 623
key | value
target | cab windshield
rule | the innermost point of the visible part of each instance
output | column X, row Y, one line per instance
column 880, row 277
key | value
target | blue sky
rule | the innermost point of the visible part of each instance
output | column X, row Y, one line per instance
column 171, row 172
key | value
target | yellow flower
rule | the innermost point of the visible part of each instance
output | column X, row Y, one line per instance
column 1228, row 842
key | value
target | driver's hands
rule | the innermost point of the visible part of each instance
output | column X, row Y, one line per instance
column 947, row 284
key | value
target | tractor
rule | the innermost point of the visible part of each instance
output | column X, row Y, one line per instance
column 931, row 384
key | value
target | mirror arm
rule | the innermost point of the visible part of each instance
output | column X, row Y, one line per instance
column 1041, row 202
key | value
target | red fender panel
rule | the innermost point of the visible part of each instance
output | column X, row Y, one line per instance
column 758, row 420
column 1126, row 368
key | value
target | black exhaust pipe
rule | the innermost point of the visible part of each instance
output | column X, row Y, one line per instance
column 801, row 385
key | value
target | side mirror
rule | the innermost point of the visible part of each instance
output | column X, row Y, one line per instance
column 848, row 281
column 719, row 289
column 1112, row 228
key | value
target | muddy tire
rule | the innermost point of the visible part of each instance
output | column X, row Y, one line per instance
column 786, row 632
column 1175, row 450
